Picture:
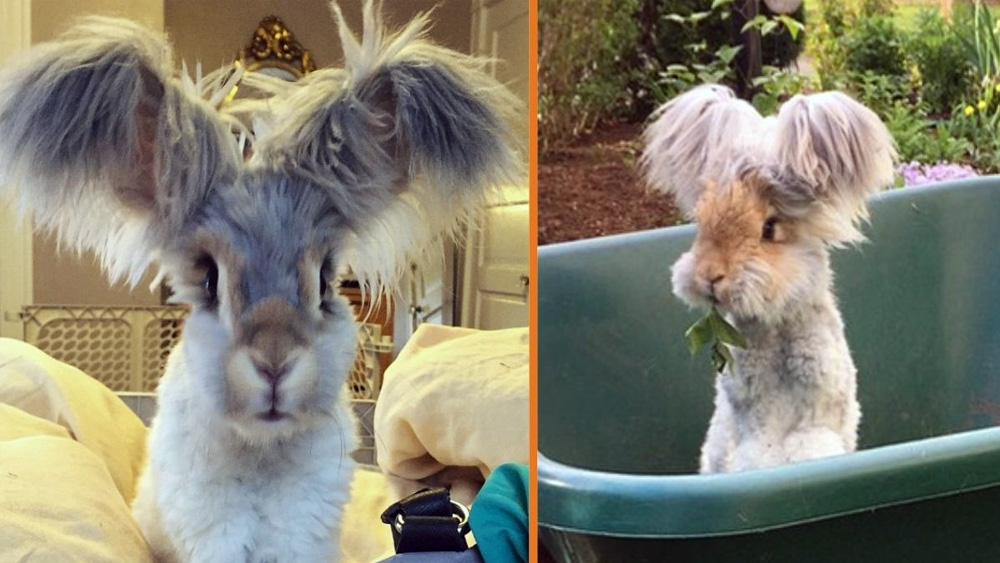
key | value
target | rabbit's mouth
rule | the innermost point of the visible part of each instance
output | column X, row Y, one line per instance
column 273, row 415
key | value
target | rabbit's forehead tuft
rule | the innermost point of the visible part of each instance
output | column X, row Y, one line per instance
column 271, row 216
column 732, row 209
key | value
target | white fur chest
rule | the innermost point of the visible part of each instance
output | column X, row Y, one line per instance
column 790, row 396
column 208, row 495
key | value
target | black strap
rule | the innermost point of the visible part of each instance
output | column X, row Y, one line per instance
column 428, row 523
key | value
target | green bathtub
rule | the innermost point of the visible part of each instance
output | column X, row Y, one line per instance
column 623, row 407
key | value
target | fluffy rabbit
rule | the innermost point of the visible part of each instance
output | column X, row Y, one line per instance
column 356, row 168
column 770, row 198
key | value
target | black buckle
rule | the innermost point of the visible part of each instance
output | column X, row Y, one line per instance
column 428, row 520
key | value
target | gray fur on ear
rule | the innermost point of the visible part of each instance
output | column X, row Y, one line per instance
column 693, row 137
column 101, row 145
column 407, row 141
column 841, row 150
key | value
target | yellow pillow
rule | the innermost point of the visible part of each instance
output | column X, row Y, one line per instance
column 59, row 504
column 38, row 384
column 15, row 423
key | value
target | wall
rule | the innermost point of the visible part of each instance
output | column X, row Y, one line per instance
column 15, row 236
column 213, row 31
column 50, row 17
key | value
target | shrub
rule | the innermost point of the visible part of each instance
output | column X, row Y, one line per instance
column 778, row 49
column 582, row 77
column 918, row 140
column 941, row 57
column 777, row 85
column 874, row 44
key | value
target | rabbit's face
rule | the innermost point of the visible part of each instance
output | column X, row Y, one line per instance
column 753, row 254
column 275, row 339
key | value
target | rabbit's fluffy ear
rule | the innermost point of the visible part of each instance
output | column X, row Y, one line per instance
column 102, row 146
column 407, row 140
column 841, row 150
column 693, row 137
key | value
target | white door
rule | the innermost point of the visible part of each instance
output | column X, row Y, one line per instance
column 495, row 280
column 15, row 238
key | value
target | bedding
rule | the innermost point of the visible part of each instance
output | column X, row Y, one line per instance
column 58, row 500
column 453, row 407
column 92, row 414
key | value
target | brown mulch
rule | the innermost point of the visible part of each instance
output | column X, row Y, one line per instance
column 591, row 188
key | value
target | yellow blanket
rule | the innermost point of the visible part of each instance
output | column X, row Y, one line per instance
column 70, row 452
column 453, row 407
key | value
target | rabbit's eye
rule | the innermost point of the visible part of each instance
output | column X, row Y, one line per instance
column 767, row 232
column 324, row 284
column 211, row 282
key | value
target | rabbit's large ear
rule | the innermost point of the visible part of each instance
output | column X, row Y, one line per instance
column 102, row 146
column 840, row 150
column 693, row 137
column 407, row 140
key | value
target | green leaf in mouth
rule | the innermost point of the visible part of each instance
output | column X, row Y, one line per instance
column 699, row 334
column 715, row 330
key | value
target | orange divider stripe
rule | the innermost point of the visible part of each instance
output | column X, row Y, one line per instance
column 533, row 275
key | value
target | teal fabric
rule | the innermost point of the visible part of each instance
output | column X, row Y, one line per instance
column 499, row 516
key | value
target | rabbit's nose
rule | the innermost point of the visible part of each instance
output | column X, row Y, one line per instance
column 271, row 374
column 713, row 281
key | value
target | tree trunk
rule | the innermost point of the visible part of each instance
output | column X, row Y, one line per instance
column 748, row 61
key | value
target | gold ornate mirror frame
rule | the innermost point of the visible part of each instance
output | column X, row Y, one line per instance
column 274, row 46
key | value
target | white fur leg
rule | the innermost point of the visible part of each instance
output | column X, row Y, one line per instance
column 147, row 516
column 720, row 441
column 813, row 442
column 758, row 452
column 852, row 419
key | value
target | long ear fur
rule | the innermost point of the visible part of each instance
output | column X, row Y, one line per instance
column 407, row 141
column 100, row 145
column 841, row 150
column 693, row 137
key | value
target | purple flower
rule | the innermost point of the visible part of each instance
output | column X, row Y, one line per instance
column 916, row 174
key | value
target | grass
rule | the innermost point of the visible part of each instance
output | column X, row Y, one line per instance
column 906, row 11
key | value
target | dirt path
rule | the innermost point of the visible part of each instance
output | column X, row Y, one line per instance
column 591, row 189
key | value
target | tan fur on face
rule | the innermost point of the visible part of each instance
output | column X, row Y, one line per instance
column 309, row 273
column 272, row 332
column 231, row 266
column 729, row 241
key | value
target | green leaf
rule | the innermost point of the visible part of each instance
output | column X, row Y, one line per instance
column 768, row 27
column 725, row 332
column 713, row 328
column 756, row 22
column 793, row 25
column 675, row 18
column 699, row 16
column 718, row 359
column 720, row 3
column 765, row 104
column 676, row 68
column 727, row 356
column 728, row 52
column 698, row 335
